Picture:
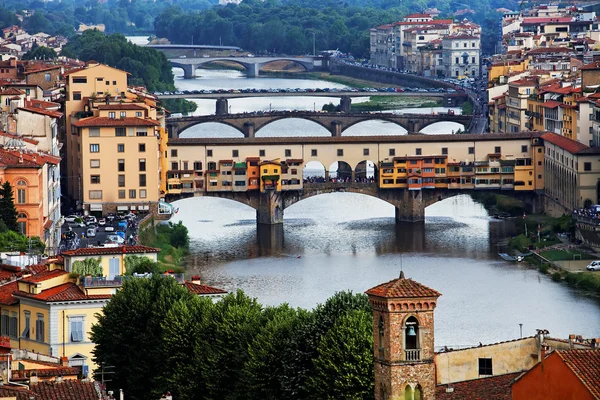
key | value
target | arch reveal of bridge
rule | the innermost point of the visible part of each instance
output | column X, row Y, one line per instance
column 238, row 169
column 336, row 123
column 252, row 64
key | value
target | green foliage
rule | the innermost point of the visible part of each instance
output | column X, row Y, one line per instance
column 140, row 265
column 467, row 108
column 165, row 237
column 40, row 53
column 179, row 105
column 344, row 365
column 556, row 277
column 234, row 349
column 589, row 281
column 543, row 268
column 88, row 266
column 129, row 334
column 8, row 212
column 330, row 107
column 14, row 241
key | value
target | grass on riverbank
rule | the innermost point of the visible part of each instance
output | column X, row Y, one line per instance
column 587, row 281
column 566, row 255
column 380, row 103
column 162, row 236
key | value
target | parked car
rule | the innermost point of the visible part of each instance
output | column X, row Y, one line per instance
column 90, row 220
column 102, row 221
column 71, row 218
column 90, row 232
column 115, row 239
column 109, row 228
column 593, row 266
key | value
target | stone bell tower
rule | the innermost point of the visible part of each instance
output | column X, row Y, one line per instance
column 403, row 339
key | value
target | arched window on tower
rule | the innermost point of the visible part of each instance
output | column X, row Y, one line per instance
column 408, row 393
column 381, row 337
column 412, row 352
column 418, row 395
column 21, row 192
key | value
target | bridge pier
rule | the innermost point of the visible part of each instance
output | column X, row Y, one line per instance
column 172, row 131
column 222, row 106
column 413, row 126
column 336, row 128
column 249, row 129
column 270, row 208
column 252, row 70
column 269, row 238
column 410, row 206
column 345, row 104
column 189, row 71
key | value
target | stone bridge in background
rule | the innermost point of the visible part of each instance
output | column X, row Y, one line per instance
column 410, row 205
column 336, row 123
column 252, row 64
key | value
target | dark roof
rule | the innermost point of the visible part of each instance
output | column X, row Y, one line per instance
column 69, row 389
column 65, row 292
column 402, row 288
column 202, row 290
column 585, row 364
column 100, row 251
column 492, row 388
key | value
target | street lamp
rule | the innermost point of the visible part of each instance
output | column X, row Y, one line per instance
column 314, row 52
column 229, row 109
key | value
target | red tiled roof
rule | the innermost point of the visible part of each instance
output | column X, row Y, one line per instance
column 495, row 387
column 69, row 389
column 201, row 290
column 100, row 251
column 6, row 293
column 14, row 159
column 42, row 111
column 11, row 92
column 594, row 65
column 65, row 292
column 545, row 20
column 433, row 22
column 45, row 275
column 543, row 50
column 105, row 121
column 551, row 104
column 402, row 288
column 585, row 364
column 37, row 268
column 570, row 145
column 418, row 16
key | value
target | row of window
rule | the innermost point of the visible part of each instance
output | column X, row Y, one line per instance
column 9, row 325
column 340, row 152
column 95, row 163
column 95, row 179
column 121, row 147
column 97, row 194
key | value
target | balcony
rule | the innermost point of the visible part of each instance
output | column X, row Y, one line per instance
column 412, row 355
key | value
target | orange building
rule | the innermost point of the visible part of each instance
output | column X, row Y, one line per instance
column 30, row 177
column 564, row 374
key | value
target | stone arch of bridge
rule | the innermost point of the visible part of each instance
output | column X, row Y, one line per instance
column 369, row 117
column 427, row 123
column 275, row 118
column 296, row 62
column 361, row 169
column 231, row 60
column 224, row 122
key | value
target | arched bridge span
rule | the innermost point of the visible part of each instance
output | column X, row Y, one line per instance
column 252, row 64
column 335, row 123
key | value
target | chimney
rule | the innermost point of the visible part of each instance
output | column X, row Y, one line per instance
column 33, row 379
column 596, row 343
column 571, row 340
column 196, row 279
column 64, row 361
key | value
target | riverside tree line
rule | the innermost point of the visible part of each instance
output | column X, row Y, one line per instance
column 161, row 338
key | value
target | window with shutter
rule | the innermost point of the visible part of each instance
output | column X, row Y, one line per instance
column 25, row 333
column 13, row 325
column 39, row 328
column 5, row 322
column 76, row 329
column 113, row 268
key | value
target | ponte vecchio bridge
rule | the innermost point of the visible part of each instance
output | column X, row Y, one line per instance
column 336, row 123
column 411, row 171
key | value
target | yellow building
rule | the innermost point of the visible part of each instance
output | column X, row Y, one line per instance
column 105, row 118
column 270, row 175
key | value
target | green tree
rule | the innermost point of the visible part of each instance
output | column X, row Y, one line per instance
column 344, row 365
column 40, row 53
column 14, row 241
column 129, row 334
column 88, row 266
column 8, row 212
column 135, row 264
column 179, row 235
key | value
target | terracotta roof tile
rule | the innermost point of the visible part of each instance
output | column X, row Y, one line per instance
column 402, row 288
column 10, row 135
column 495, row 387
column 37, row 268
column 42, row 111
column 65, row 292
column 70, row 389
column 100, row 251
column 570, row 145
column 585, row 364
column 45, row 275
column 105, row 121
column 201, row 290
column 551, row 104
column 6, row 293
column 11, row 92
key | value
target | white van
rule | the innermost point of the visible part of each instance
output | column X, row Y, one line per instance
column 176, row 115
column 593, row 266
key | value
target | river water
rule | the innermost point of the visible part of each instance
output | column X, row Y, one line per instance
column 345, row 241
